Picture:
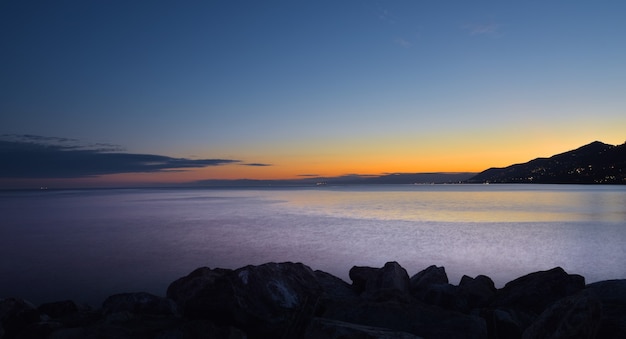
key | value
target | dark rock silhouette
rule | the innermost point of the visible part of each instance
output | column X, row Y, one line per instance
column 290, row 300
column 139, row 303
column 478, row 291
column 268, row 300
column 577, row 316
column 190, row 291
column 15, row 316
column 535, row 291
column 612, row 296
column 432, row 275
column 335, row 329
column 595, row 163
column 369, row 281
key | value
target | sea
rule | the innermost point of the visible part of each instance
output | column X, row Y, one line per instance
column 85, row 245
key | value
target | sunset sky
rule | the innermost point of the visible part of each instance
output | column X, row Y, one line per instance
column 125, row 92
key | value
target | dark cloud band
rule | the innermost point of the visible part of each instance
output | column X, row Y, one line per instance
column 30, row 156
column 256, row 164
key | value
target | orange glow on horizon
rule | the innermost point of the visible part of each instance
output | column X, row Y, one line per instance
column 473, row 155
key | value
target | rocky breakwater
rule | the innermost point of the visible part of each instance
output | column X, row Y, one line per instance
column 290, row 300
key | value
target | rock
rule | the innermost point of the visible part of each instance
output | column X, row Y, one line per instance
column 289, row 300
column 333, row 329
column 445, row 296
column 15, row 316
column 609, row 291
column 269, row 300
column 273, row 299
column 516, row 306
column 503, row 323
column 189, row 287
column 478, row 291
column 334, row 287
column 391, row 278
column 405, row 315
column 430, row 276
column 139, row 303
column 206, row 329
column 431, row 286
column 360, row 275
column 577, row 316
column 534, row 292
column 59, row 309
column 612, row 295
column 69, row 333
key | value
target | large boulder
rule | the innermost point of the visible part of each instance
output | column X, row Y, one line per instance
column 59, row 309
column 446, row 296
column 534, row 292
column 139, row 303
column 577, row 316
column 391, row 278
column 431, row 286
column 334, row 287
column 470, row 294
column 478, row 291
column 67, row 313
column 194, row 284
column 518, row 304
column 612, row 295
column 506, row 323
column 269, row 300
column 609, row 291
column 432, row 275
column 15, row 316
column 360, row 276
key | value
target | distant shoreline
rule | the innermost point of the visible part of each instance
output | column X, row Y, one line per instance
column 278, row 186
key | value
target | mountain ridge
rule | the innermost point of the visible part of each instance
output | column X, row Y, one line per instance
column 355, row 179
column 594, row 163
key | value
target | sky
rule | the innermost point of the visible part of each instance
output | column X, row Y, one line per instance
column 130, row 92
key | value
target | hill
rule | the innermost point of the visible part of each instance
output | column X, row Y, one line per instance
column 595, row 163
column 392, row 178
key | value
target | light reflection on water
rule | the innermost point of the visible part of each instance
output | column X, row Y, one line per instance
column 468, row 203
column 85, row 245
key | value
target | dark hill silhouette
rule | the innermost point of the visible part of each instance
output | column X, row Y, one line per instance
column 392, row 178
column 595, row 163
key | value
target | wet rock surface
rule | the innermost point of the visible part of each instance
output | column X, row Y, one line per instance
column 290, row 300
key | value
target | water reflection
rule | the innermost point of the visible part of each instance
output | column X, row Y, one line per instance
column 466, row 203
column 87, row 245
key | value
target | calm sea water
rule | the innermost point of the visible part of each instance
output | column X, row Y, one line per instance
column 87, row 244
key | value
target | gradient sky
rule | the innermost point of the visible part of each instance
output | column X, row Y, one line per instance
column 311, row 87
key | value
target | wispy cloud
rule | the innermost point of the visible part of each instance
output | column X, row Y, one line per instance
column 32, row 156
column 483, row 29
column 60, row 143
column 402, row 42
column 256, row 164
column 385, row 15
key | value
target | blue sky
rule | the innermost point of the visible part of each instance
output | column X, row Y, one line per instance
column 325, row 87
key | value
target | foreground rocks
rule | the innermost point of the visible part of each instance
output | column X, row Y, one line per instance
column 290, row 300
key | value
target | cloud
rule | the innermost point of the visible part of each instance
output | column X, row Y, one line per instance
column 483, row 29
column 61, row 143
column 31, row 156
column 402, row 42
column 384, row 15
column 256, row 164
